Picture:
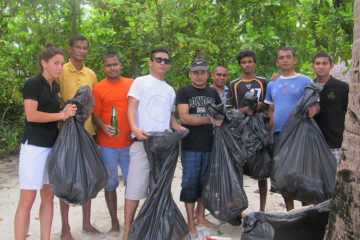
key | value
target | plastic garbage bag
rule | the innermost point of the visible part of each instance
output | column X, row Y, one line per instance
column 223, row 194
column 258, row 166
column 308, row 224
column 159, row 218
column 76, row 171
column 304, row 168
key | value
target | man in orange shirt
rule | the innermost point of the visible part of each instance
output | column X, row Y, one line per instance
column 112, row 92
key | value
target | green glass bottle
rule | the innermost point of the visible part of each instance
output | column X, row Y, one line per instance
column 114, row 122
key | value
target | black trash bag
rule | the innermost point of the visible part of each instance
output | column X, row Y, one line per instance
column 76, row 171
column 259, row 165
column 223, row 194
column 303, row 167
column 251, row 101
column 160, row 218
column 306, row 224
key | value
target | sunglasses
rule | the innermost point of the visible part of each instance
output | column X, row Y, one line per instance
column 159, row 60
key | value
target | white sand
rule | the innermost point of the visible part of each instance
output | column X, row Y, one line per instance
column 9, row 196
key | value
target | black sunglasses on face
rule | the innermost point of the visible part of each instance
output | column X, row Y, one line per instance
column 159, row 60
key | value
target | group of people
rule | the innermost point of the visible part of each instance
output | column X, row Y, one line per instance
column 147, row 104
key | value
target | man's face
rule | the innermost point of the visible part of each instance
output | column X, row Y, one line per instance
column 112, row 68
column 247, row 65
column 79, row 50
column 322, row 66
column 158, row 65
column 286, row 60
column 199, row 78
column 220, row 76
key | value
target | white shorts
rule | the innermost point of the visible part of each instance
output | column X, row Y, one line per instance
column 33, row 164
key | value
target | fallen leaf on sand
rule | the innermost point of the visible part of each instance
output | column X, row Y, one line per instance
column 1, row 219
column 37, row 218
column 73, row 205
column 1, row 188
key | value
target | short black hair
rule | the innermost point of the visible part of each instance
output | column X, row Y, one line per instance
column 218, row 66
column 111, row 55
column 322, row 54
column 286, row 49
column 77, row 37
column 158, row 49
column 246, row 53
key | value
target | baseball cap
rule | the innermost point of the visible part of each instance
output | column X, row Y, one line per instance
column 199, row 64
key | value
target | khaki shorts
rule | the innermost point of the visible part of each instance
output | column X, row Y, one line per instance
column 139, row 173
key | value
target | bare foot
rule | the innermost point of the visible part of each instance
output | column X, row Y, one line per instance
column 206, row 223
column 114, row 233
column 90, row 229
column 66, row 236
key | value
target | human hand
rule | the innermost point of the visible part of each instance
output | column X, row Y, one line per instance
column 216, row 122
column 181, row 129
column 312, row 111
column 275, row 76
column 140, row 134
column 69, row 111
column 247, row 110
column 108, row 130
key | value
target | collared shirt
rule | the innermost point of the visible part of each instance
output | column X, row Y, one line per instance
column 223, row 94
column 38, row 89
column 333, row 106
column 71, row 80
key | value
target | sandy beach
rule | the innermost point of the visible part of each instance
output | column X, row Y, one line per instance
column 9, row 196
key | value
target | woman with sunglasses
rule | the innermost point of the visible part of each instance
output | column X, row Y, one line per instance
column 42, row 111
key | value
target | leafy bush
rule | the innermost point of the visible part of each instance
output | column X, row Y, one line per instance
column 9, row 140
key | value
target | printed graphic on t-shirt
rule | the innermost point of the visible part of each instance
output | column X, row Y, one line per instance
column 197, row 105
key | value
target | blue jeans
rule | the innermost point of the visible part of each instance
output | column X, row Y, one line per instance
column 194, row 173
column 111, row 158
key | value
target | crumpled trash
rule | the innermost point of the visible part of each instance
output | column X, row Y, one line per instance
column 76, row 170
column 308, row 224
column 159, row 217
column 304, row 168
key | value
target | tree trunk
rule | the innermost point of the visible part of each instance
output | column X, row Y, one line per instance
column 344, row 216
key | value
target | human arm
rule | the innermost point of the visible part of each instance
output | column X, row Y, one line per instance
column 188, row 119
column 33, row 115
column 175, row 125
column 139, row 133
column 108, row 129
column 271, row 115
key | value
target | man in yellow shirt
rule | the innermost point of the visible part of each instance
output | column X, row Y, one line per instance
column 73, row 76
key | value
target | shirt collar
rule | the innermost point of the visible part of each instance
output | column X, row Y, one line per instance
column 329, row 82
column 73, row 69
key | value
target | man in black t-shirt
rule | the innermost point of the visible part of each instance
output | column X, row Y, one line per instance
column 196, row 146
column 333, row 103
column 248, row 82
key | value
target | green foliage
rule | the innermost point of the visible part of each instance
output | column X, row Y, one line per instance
column 216, row 30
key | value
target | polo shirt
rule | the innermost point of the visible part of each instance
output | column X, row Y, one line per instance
column 223, row 95
column 333, row 107
column 41, row 134
column 70, row 81
column 108, row 94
